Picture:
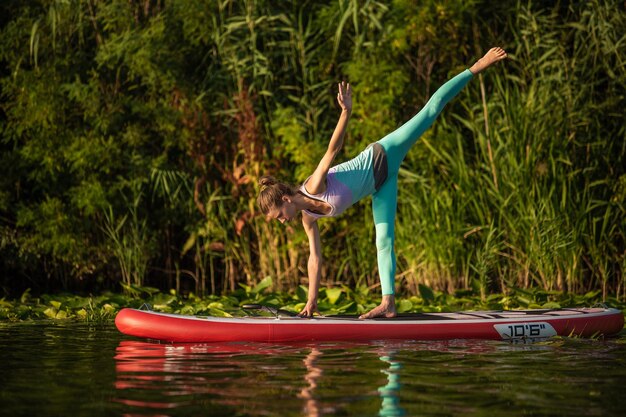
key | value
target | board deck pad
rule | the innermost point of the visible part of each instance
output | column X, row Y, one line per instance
column 465, row 315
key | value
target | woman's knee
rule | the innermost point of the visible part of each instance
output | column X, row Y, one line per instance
column 434, row 106
column 384, row 243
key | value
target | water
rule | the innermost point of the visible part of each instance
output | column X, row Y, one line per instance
column 51, row 369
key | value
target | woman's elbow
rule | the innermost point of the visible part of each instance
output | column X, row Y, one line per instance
column 315, row 259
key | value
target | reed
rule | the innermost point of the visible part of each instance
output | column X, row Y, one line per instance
column 520, row 183
column 550, row 210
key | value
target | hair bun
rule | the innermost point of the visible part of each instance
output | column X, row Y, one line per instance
column 267, row 181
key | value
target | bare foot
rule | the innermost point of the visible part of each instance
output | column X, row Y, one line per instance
column 387, row 308
column 491, row 57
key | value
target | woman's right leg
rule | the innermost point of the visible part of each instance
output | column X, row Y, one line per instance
column 384, row 206
column 398, row 142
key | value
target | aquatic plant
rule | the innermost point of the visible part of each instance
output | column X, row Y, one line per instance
column 336, row 300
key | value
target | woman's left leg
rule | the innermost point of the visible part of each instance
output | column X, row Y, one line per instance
column 398, row 142
column 396, row 145
column 385, row 200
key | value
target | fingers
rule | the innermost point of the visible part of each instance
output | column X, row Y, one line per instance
column 344, row 89
column 308, row 313
column 344, row 95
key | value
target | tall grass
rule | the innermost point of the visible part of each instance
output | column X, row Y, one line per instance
column 520, row 183
column 538, row 212
column 131, row 242
column 509, row 189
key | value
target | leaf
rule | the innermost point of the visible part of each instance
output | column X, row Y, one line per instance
column 25, row 296
column 348, row 308
column 191, row 241
column 163, row 298
column 34, row 41
column 333, row 294
column 493, row 297
column 426, row 293
column 592, row 294
column 525, row 302
column 261, row 286
column 50, row 312
column 363, row 290
column 404, row 306
column 302, row 293
column 216, row 312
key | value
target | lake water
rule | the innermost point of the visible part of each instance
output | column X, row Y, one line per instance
column 72, row 369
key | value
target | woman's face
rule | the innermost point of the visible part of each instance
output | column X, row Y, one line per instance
column 285, row 213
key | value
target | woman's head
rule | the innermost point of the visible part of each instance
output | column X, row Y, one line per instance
column 276, row 199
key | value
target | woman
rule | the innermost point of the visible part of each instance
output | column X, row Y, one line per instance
column 330, row 190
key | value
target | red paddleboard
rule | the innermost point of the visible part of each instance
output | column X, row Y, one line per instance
column 498, row 325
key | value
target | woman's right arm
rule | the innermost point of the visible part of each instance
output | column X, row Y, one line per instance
column 314, row 266
column 317, row 182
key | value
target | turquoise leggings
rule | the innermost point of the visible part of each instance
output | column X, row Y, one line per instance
column 396, row 145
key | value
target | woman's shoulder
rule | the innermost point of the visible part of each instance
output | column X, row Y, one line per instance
column 313, row 193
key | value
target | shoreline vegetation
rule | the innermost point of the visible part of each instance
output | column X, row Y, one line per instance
column 133, row 134
column 103, row 308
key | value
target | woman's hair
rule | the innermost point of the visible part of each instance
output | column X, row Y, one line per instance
column 272, row 193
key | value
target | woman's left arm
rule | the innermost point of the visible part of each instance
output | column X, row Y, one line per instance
column 317, row 182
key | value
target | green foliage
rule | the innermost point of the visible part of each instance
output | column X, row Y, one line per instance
column 519, row 184
column 379, row 85
column 292, row 133
column 335, row 300
column 131, row 243
column 523, row 203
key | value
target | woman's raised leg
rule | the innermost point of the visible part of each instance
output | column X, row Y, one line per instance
column 398, row 142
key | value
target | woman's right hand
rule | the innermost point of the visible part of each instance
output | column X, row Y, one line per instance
column 309, row 309
column 344, row 96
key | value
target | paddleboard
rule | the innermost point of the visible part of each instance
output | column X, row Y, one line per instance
column 497, row 325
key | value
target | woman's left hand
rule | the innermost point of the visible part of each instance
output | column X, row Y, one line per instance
column 344, row 96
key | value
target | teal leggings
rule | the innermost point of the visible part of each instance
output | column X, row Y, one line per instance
column 396, row 145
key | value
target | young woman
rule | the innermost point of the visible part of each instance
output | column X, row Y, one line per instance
column 332, row 189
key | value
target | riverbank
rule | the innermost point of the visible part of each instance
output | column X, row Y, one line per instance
column 339, row 300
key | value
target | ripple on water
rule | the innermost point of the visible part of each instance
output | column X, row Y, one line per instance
column 73, row 369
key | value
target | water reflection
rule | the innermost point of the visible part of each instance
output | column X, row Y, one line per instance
column 384, row 378
column 165, row 376
column 389, row 393
column 182, row 370
column 86, row 371
column 161, row 376
column 313, row 373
